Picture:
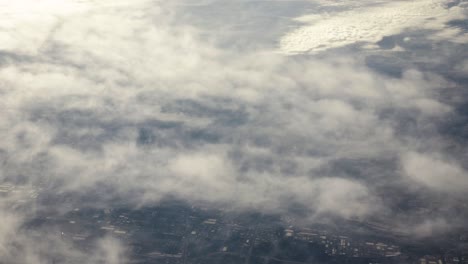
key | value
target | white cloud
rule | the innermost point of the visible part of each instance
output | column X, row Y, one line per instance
column 435, row 172
column 97, row 83
column 367, row 22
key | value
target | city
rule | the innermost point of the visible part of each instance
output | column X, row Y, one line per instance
column 176, row 232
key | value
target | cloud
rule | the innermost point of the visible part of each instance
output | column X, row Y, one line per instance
column 435, row 172
column 462, row 67
column 126, row 101
column 150, row 105
column 367, row 23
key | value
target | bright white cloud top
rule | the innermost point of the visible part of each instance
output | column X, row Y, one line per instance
column 366, row 22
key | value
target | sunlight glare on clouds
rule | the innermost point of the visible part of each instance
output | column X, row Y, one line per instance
column 25, row 24
column 29, row 9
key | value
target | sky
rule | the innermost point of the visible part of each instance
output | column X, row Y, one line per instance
column 345, row 109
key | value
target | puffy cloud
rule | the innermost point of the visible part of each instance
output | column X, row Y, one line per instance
column 151, row 100
column 435, row 172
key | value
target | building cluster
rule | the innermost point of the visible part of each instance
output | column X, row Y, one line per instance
column 343, row 245
column 447, row 258
column 182, row 234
